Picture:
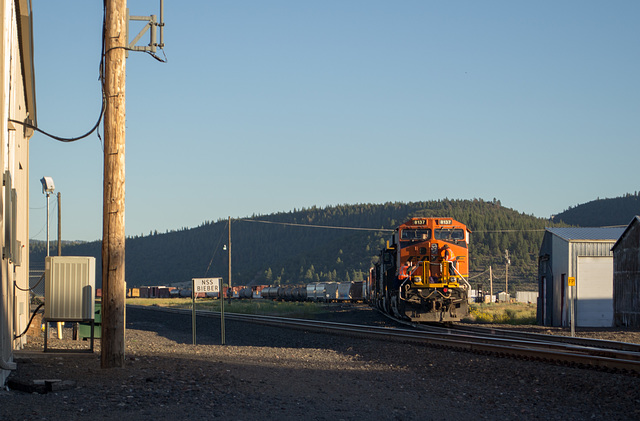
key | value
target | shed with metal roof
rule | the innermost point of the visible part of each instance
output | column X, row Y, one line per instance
column 584, row 255
column 626, row 276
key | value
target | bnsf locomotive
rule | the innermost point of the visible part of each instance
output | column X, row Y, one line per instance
column 421, row 273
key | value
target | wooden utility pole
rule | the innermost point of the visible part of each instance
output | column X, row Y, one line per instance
column 113, row 282
column 229, row 252
column 506, row 274
column 491, row 282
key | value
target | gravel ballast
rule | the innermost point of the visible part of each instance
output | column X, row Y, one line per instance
column 272, row 373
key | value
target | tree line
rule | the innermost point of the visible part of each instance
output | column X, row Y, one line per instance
column 334, row 243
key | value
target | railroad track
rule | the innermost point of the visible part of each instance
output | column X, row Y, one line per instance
column 589, row 354
column 507, row 333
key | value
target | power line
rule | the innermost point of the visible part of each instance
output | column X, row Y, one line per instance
column 532, row 230
column 317, row 226
column 215, row 251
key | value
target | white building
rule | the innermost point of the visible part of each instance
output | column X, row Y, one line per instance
column 17, row 95
column 584, row 255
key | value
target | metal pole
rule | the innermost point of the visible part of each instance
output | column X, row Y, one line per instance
column 60, row 324
column 221, row 296
column 59, row 224
column 193, row 310
column 47, row 223
column 573, row 320
column 161, row 24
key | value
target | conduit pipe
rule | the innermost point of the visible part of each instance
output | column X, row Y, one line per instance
column 6, row 365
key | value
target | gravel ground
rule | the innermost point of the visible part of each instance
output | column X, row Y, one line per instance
column 270, row 373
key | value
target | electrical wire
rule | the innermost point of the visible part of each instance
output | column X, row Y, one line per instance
column 479, row 274
column 102, row 82
column 30, row 320
column 30, row 288
column 500, row 231
column 165, row 60
column 215, row 251
column 318, row 226
column 370, row 229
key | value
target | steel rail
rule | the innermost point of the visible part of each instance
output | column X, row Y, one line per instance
column 536, row 350
column 587, row 346
column 508, row 333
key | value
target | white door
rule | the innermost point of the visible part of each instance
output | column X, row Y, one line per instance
column 595, row 292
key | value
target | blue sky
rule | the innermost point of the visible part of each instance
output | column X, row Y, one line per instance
column 270, row 105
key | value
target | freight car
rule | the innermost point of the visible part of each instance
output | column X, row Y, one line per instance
column 270, row 293
column 421, row 273
column 317, row 291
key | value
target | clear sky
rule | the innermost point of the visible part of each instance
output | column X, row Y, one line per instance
column 270, row 105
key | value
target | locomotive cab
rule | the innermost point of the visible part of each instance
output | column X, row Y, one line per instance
column 423, row 271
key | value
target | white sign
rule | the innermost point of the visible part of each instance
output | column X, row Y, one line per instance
column 206, row 285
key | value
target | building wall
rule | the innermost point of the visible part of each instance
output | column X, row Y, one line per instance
column 545, row 306
column 526, row 296
column 14, row 166
column 560, row 268
column 626, row 278
column 557, row 262
column 594, row 291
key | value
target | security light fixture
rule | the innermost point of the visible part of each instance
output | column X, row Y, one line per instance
column 47, row 188
column 47, row 185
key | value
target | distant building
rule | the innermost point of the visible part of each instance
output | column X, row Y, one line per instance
column 584, row 254
column 526, row 296
column 626, row 276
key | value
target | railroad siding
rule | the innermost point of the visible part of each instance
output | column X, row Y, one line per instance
column 626, row 277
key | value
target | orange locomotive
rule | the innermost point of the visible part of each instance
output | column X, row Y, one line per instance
column 421, row 274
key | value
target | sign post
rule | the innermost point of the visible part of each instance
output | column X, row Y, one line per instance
column 204, row 285
column 571, row 281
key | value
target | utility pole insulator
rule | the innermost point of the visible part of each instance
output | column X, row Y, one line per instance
column 155, row 28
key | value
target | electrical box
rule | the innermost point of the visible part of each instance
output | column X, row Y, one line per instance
column 69, row 289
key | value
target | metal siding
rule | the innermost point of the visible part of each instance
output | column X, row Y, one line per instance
column 626, row 277
column 69, row 288
column 594, row 295
column 559, row 266
column 588, row 234
column 526, row 296
column 583, row 249
column 563, row 260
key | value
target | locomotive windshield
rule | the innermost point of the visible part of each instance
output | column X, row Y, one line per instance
column 449, row 234
column 416, row 234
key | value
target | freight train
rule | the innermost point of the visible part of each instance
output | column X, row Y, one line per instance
column 326, row 292
column 421, row 273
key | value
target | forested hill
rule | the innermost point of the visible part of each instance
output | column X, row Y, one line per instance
column 336, row 243
column 602, row 212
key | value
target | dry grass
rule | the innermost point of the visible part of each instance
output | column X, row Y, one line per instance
column 503, row 313
column 275, row 308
